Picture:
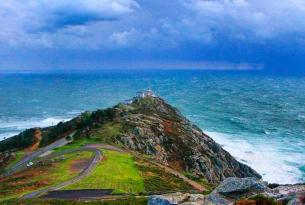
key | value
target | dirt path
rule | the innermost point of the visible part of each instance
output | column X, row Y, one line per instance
column 194, row 184
column 85, row 172
column 38, row 137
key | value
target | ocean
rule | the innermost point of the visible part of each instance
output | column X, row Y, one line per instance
column 258, row 118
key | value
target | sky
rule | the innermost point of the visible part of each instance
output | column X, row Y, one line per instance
column 143, row 34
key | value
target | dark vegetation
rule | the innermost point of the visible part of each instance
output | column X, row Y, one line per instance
column 83, row 123
column 23, row 140
column 209, row 188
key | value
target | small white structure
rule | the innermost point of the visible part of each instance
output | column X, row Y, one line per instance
column 147, row 93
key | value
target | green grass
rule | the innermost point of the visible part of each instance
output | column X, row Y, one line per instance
column 117, row 171
column 40, row 176
column 62, row 172
column 107, row 132
column 208, row 187
column 156, row 180
column 119, row 201
column 104, row 134
column 75, row 144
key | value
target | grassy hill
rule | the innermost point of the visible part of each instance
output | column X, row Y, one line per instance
column 147, row 133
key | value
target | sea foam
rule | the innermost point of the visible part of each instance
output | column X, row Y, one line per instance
column 266, row 158
column 13, row 127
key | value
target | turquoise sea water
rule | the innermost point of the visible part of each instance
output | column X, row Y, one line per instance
column 259, row 119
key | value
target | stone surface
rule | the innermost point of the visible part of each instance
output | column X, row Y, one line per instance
column 238, row 191
column 177, row 198
column 240, row 186
column 283, row 191
column 297, row 199
column 217, row 199
column 231, row 189
column 160, row 130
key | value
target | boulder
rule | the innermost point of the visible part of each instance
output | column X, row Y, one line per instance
column 168, row 199
column 298, row 199
column 235, row 187
column 285, row 191
column 177, row 198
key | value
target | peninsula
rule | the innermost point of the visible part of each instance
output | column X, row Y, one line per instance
column 140, row 151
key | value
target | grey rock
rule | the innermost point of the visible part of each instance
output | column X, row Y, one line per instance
column 177, row 198
column 298, row 199
column 239, row 186
column 160, row 130
column 217, row 199
column 154, row 200
column 168, row 199
column 234, row 188
column 285, row 191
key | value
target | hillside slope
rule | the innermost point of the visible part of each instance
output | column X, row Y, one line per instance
column 149, row 126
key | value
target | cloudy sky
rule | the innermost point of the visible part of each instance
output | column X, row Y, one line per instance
column 202, row 34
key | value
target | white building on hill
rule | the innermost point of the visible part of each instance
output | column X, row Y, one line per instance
column 147, row 93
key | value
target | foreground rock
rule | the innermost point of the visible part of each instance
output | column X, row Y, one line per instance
column 236, row 190
column 232, row 189
column 291, row 194
column 177, row 198
column 239, row 191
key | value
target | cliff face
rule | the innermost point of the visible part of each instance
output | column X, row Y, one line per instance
column 150, row 126
column 158, row 129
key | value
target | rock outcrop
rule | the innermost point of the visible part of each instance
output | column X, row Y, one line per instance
column 158, row 129
column 239, row 191
column 149, row 126
column 177, row 198
column 232, row 189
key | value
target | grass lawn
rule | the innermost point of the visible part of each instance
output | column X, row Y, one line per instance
column 73, row 145
column 116, row 171
column 104, row 134
column 156, row 180
column 107, row 132
column 41, row 176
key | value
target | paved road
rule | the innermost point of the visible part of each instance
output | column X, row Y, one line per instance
column 22, row 163
column 85, row 172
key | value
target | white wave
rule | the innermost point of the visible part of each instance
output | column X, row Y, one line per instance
column 7, row 135
column 12, row 128
column 31, row 123
column 266, row 157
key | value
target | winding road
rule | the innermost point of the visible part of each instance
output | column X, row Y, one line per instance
column 95, row 148
column 23, row 162
column 85, row 172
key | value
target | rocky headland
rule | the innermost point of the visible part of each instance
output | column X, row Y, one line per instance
column 150, row 126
